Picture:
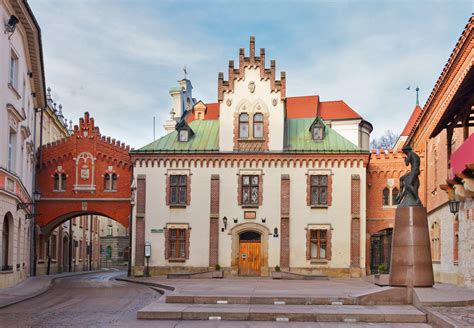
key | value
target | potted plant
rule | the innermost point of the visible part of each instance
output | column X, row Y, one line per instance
column 218, row 272
column 276, row 273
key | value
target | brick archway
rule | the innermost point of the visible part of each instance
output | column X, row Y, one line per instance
column 85, row 173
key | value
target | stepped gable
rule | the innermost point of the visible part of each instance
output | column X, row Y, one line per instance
column 251, row 61
column 86, row 137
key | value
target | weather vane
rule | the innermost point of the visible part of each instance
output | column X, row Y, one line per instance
column 417, row 94
column 185, row 71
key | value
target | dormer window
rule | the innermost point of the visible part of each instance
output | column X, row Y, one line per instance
column 317, row 129
column 183, row 135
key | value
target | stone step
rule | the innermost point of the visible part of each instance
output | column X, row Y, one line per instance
column 261, row 312
column 275, row 300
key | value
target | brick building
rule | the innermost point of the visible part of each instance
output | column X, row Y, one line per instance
column 254, row 181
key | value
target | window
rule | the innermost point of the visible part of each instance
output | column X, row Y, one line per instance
column 318, row 132
column 13, row 78
column 109, row 231
column 177, row 243
column 178, row 186
column 80, row 250
column 318, row 244
column 183, row 135
column 41, row 248
column 319, row 190
column 5, row 244
column 395, row 194
column 109, row 252
column 59, row 182
column 386, row 197
column 244, row 125
column 54, row 247
column 12, row 150
column 435, row 243
column 250, row 189
column 258, row 125
column 110, row 182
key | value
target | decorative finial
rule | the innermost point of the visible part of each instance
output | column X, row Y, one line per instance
column 185, row 72
column 417, row 98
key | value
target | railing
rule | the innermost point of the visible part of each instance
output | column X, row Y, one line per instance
column 7, row 268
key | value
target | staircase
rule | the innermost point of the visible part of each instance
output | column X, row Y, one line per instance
column 307, row 309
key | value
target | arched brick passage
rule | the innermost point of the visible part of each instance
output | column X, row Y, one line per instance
column 84, row 159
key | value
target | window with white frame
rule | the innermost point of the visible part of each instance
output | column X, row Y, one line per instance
column 110, row 182
column 13, row 74
column 59, row 181
column 390, row 196
column 11, row 150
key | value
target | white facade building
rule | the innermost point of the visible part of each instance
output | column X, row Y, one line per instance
column 21, row 91
column 255, row 181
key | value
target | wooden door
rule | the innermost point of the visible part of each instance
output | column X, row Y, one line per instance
column 249, row 258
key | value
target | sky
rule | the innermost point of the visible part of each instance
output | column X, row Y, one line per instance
column 118, row 59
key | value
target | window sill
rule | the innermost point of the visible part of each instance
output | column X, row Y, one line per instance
column 177, row 206
column 13, row 89
column 250, row 205
column 319, row 261
column 57, row 190
column 436, row 261
column 40, row 261
column 456, row 263
column 176, row 260
column 6, row 272
column 319, row 206
column 251, row 139
column 110, row 190
column 389, row 207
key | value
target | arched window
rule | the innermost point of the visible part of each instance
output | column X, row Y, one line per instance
column 114, row 181
column 106, row 181
column 395, row 193
column 244, row 125
column 435, row 242
column 59, row 181
column 456, row 240
column 6, row 244
column 258, row 125
column 386, row 197
column 110, row 182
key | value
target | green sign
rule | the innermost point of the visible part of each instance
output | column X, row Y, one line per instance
column 156, row 230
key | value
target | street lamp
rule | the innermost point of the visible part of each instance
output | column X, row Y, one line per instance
column 23, row 206
column 454, row 206
column 224, row 221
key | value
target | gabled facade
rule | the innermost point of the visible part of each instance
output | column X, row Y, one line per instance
column 263, row 180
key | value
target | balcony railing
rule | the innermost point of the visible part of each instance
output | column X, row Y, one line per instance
column 7, row 268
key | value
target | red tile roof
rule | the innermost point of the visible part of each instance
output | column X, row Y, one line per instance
column 411, row 122
column 299, row 107
column 212, row 113
column 337, row 110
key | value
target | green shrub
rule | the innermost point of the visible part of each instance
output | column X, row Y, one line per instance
column 277, row 268
column 382, row 268
column 217, row 267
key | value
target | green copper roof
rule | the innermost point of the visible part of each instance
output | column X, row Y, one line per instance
column 205, row 138
column 299, row 138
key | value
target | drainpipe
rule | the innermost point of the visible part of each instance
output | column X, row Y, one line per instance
column 49, row 255
column 130, row 226
column 70, row 245
column 90, row 244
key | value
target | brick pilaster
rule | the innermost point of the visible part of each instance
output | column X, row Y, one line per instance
column 355, row 221
column 285, row 221
column 140, row 221
column 214, row 222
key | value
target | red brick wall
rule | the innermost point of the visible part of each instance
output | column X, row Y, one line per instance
column 214, row 223
column 355, row 222
column 285, row 222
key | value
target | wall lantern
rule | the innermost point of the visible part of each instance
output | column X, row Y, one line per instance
column 275, row 232
column 224, row 221
column 454, row 206
column 236, row 220
column 10, row 26
column 24, row 206
column 264, row 220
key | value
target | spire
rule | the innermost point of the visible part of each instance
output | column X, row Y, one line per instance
column 417, row 98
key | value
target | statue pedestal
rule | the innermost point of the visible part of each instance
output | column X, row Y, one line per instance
column 410, row 263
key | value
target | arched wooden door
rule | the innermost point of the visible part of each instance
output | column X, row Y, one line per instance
column 249, row 254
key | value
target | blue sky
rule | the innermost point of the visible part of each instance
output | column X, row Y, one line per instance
column 118, row 59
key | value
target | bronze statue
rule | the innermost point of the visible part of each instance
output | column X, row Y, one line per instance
column 409, row 182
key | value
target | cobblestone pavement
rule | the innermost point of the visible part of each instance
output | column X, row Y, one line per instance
column 97, row 300
column 460, row 316
column 94, row 300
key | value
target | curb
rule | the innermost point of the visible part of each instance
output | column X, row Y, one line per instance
column 146, row 283
column 45, row 289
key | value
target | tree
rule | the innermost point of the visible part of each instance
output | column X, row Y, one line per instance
column 386, row 141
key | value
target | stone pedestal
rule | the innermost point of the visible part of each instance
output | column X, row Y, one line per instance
column 410, row 264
